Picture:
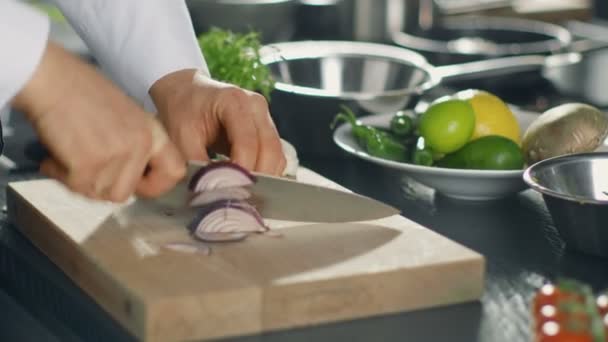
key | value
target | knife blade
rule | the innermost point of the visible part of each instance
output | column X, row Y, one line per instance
column 286, row 199
column 281, row 198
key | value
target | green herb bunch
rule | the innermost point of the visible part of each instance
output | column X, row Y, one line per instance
column 234, row 58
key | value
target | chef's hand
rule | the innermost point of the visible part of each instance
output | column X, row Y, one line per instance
column 201, row 113
column 99, row 140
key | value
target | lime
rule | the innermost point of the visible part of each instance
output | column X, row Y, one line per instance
column 447, row 125
column 492, row 115
column 491, row 152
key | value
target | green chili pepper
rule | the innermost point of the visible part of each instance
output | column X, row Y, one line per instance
column 422, row 154
column 401, row 125
column 376, row 142
column 422, row 157
column 386, row 147
column 360, row 132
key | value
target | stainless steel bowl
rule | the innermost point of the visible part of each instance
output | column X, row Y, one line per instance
column 313, row 78
column 575, row 190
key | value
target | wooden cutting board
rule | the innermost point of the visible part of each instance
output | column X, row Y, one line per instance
column 314, row 273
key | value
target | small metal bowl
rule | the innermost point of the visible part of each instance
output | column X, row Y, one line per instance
column 575, row 190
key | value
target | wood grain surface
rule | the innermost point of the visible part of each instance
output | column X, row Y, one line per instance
column 315, row 273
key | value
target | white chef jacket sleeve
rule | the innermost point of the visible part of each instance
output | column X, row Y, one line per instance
column 23, row 37
column 136, row 42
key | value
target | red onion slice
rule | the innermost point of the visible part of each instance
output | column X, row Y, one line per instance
column 227, row 217
column 207, row 197
column 220, row 174
column 221, row 237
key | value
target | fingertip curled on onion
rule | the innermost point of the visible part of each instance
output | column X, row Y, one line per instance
column 291, row 158
column 222, row 174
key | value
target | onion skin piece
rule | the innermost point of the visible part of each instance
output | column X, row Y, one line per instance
column 220, row 174
column 227, row 216
column 188, row 247
column 221, row 194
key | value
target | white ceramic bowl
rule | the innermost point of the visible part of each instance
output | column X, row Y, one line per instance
column 455, row 183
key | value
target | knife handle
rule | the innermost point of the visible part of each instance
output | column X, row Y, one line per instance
column 36, row 152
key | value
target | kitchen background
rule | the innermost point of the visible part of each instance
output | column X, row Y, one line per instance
column 431, row 27
column 517, row 248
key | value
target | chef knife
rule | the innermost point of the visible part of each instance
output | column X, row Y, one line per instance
column 282, row 198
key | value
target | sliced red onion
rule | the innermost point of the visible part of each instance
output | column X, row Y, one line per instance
column 231, row 193
column 221, row 174
column 222, row 237
column 227, row 216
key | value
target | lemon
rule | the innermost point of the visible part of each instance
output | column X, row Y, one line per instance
column 492, row 115
column 447, row 125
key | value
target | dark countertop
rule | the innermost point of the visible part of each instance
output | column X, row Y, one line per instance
column 516, row 235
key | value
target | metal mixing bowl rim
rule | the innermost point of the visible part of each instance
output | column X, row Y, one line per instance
column 562, row 38
column 533, row 183
column 287, row 51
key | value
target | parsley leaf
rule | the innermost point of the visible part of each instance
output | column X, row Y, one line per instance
column 234, row 58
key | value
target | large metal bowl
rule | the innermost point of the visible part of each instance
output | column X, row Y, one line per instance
column 313, row 78
column 575, row 190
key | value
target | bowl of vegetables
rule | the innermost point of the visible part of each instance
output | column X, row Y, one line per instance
column 465, row 146
column 471, row 145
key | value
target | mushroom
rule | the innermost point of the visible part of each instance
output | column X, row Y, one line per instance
column 566, row 129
